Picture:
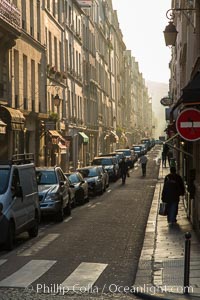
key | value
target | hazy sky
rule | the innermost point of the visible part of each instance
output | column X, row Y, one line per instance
column 142, row 23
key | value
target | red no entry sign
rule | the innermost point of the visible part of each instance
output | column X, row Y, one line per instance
column 188, row 124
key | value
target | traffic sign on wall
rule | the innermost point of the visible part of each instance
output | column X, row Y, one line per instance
column 188, row 124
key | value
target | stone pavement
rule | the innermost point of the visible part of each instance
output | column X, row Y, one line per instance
column 161, row 267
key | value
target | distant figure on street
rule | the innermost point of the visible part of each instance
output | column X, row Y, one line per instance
column 164, row 158
column 173, row 188
column 169, row 156
column 123, row 167
column 143, row 161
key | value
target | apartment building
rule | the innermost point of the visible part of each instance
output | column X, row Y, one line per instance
column 67, row 85
column 185, row 93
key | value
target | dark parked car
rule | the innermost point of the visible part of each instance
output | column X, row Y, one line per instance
column 105, row 176
column 118, row 155
column 110, row 163
column 131, row 156
column 54, row 192
column 138, row 149
column 94, row 178
column 79, row 187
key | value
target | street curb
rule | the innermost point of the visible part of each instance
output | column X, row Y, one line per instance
column 151, row 297
column 170, row 296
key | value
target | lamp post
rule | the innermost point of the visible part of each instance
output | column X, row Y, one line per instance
column 170, row 32
column 57, row 100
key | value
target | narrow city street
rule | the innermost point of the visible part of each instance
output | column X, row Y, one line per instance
column 94, row 252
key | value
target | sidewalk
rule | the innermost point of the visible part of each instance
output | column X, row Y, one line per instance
column 161, row 266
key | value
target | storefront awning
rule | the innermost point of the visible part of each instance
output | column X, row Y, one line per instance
column 85, row 138
column 12, row 117
column 115, row 136
column 191, row 92
column 63, row 148
column 168, row 142
column 56, row 134
column 2, row 127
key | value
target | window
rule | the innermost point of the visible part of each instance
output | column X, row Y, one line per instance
column 33, row 84
column 56, row 52
column 38, row 21
column 31, row 18
column 50, row 49
column 25, row 81
column 23, row 5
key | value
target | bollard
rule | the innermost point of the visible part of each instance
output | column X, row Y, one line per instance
column 187, row 262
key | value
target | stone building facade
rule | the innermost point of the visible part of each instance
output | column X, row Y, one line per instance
column 69, row 88
column 185, row 93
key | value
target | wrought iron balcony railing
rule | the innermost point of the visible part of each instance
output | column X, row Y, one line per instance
column 10, row 13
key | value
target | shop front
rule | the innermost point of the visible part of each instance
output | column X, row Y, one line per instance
column 12, row 140
column 56, row 153
column 187, row 144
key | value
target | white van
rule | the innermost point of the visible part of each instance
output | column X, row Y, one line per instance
column 19, row 209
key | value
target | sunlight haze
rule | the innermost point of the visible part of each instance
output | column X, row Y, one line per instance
column 142, row 23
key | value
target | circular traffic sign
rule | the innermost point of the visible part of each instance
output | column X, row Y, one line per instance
column 188, row 124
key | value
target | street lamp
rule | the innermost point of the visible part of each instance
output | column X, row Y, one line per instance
column 57, row 100
column 170, row 32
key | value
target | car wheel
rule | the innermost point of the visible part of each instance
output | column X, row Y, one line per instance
column 87, row 199
column 9, row 245
column 60, row 215
column 33, row 231
column 80, row 197
column 102, row 189
column 67, row 209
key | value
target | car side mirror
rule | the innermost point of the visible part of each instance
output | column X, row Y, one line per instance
column 17, row 191
column 62, row 183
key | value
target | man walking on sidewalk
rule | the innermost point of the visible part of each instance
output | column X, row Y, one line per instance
column 143, row 161
column 173, row 188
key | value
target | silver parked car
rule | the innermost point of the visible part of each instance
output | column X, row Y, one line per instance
column 54, row 193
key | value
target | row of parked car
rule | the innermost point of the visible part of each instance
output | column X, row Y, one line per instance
column 27, row 192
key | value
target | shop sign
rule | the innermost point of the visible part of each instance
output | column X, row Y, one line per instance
column 166, row 101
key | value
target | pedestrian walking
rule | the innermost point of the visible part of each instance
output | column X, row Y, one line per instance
column 143, row 161
column 164, row 158
column 164, row 154
column 169, row 157
column 123, row 167
column 173, row 188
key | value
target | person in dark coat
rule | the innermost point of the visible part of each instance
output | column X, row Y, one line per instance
column 164, row 158
column 173, row 188
column 123, row 167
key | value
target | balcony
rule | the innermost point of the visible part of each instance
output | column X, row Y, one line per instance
column 10, row 18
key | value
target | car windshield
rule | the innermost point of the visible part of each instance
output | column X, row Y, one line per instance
column 137, row 148
column 4, row 179
column 73, row 178
column 103, row 161
column 89, row 172
column 127, row 152
column 46, row 177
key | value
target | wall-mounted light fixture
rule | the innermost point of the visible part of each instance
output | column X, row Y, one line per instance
column 170, row 32
column 57, row 100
